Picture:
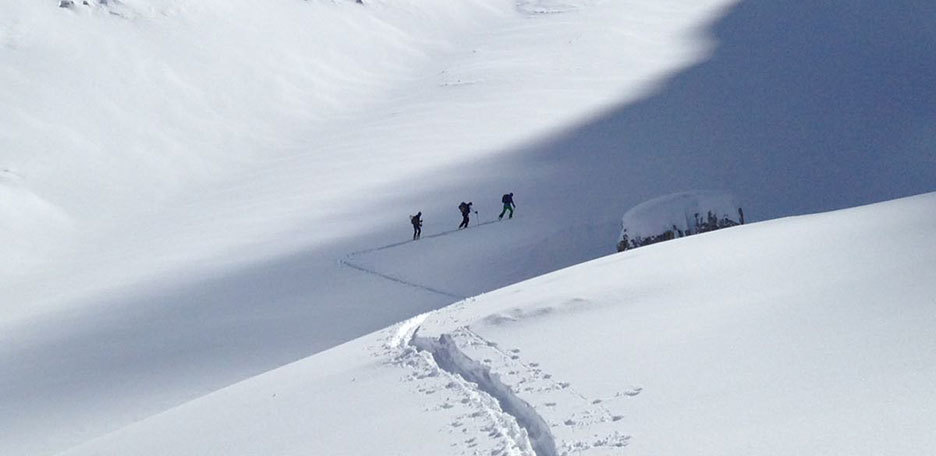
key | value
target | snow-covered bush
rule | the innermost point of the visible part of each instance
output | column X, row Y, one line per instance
column 677, row 215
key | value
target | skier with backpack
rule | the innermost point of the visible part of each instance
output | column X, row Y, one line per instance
column 509, row 205
column 465, row 209
column 416, row 220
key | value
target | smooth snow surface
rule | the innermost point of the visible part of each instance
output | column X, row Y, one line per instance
column 195, row 192
column 771, row 343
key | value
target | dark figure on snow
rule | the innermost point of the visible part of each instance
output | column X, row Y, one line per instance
column 416, row 220
column 465, row 209
column 509, row 205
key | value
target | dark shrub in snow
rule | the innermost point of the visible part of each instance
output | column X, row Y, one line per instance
column 677, row 215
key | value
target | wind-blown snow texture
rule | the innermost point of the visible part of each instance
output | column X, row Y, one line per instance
column 182, row 182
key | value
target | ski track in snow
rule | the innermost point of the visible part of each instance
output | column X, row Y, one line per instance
column 348, row 261
column 475, row 412
column 523, row 410
column 527, row 432
column 358, row 267
column 488, row 382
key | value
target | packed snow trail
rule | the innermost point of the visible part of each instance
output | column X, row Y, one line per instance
column 431, row 358
column 533, row 438
column 447, row 356
column 347, row 261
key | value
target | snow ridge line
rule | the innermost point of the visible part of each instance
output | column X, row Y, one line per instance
column 448, row 357
column 347, row 261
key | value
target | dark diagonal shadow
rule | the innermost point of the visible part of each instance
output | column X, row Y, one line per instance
column 802, row 107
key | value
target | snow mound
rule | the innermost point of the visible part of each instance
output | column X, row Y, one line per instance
column 678, row 215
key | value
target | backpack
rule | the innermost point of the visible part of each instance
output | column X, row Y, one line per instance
column 463, row 207
column 505, row 199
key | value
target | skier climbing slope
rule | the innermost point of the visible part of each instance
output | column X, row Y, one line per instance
column 509, row 205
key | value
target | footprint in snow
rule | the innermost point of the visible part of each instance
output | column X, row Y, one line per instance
column 627, row 393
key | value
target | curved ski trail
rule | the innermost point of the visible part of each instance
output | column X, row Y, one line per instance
column 511, row 402
column 348, row 261
column 504, row 406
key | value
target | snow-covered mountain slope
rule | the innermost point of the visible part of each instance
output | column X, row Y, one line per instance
column 180, row 178
column 182, row 135
column 182, row 182
column 804, row 335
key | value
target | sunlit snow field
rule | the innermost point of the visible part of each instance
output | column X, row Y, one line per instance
column 193, row 193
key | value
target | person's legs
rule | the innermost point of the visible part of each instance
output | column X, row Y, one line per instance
column 464, row 223
column 503, row 211
column 510, row 208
